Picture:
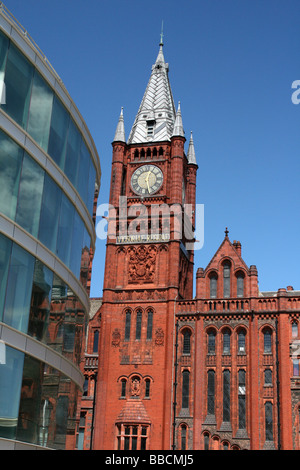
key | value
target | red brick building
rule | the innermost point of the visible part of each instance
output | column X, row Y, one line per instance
column 166, row 369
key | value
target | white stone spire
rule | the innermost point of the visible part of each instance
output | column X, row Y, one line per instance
column 155, row 119
column 178, row 127
column 120, row 131
column 191, row 156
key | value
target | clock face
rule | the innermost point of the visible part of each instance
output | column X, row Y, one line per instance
column 147, row 180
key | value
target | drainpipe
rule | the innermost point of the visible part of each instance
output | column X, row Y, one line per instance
column 175, row 386
column 93, row 411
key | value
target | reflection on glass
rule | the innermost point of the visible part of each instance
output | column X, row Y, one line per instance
column 40, row 301
column 58, row 133
column 40, row 111
column 10, row 167
column 91, row 188
column 10, row 379
column 63, row 248
column 83, row 172
column 3, row 54
column 18, row 79
column 30, row 195
column 49, row 213
column 18, row 291
column 77, row 236
column 5, row 250
column 72, row 157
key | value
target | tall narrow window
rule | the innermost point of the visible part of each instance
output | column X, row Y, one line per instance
column 147, row 388
column 267, row 341
column 226, row 395
column 242, row 399
column 185, row 388
column 213, row 285
column 241, row 342
column 138, row 329
column 226, row 279
column 211, row 392
column 206, row 442
column 211, row 342
column 296, row 367
column 149, row 324
column 269, row 421
column 186, row 342
column 127, row 325
column 123, row 388
column 240, row 284
column 96, row 341
column 226, row 342
column 294, row 329
column 268, row 377
column 183, row 437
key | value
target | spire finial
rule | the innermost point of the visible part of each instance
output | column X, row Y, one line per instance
column 226, row 232
column 162, row 34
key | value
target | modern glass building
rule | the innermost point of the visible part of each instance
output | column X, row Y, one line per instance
column 49, row 169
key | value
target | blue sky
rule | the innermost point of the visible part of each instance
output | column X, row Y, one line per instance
column 232, row 64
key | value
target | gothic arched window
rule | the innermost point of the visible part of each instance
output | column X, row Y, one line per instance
column 211, row 392
column 226, row 395
column 267, row 341
column 127, row 325
column 213, row 279
column 226, row 279
column 149, row 324
column 269, row 421
column 185, row 388
column 96, row 341
column 240, row 284
column 186, row 342
column 138, row 329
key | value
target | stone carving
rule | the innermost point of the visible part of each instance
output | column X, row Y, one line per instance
column 159, row 337
column 141, row 266
column 116, row 337
column 135, row 387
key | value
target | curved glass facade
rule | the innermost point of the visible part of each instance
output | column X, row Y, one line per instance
column 49, row 168
column 34, row 106
column 30, row 197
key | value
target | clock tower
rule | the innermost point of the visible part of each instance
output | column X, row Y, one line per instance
column 148, row 268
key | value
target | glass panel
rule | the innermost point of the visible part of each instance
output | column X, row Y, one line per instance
column 10, row 389
column 83, row 173
column 91, row 188
column 127, row 325
column 19, row 287
column 226, row 342
column 213, row 286
column 138, row 324
column 4, row 42
column 149, row 324
column 40, row 301
column 186, row 342
column 269, row 421
column 267, row 342
column 40, row 111
column 18, row 80
column 72, row 156
column 226, row 396
column 294, row 329
column 185, row 388
column 211, row 342
column 58, row 133
column 76, row 249
column 5, row 250
column 49, row 214
column 30, row 195
column 211, row 392
column 10, row 168
column 241, row 342
column 226, row 279
column 63, row 248
column 240, row 284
